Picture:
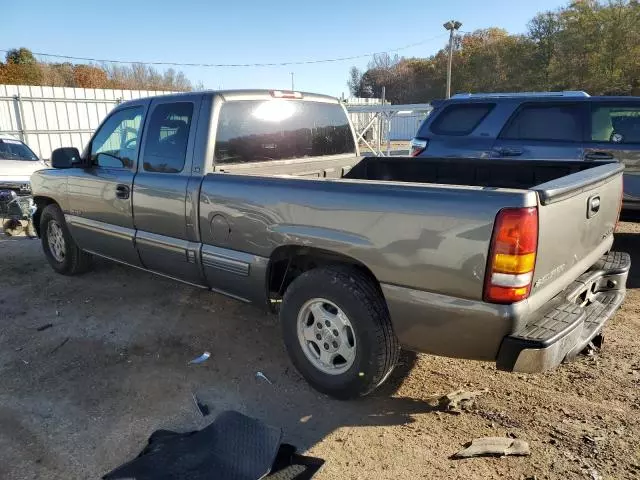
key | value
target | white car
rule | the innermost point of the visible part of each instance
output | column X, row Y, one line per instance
column 17, row 163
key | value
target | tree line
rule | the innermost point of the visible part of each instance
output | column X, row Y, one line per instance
column 22, row 68
column 588, row 45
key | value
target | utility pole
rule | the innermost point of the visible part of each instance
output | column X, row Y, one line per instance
column 452, row 26
column 292, row 87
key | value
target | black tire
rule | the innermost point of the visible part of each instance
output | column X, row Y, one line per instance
column 75, row 261
column 357, row 295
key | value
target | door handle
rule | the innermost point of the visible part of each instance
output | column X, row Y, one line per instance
column 122, row 191
column 509, row 151
column 593, row 205
column 598, row 156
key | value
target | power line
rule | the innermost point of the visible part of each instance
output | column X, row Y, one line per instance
column 271, row 64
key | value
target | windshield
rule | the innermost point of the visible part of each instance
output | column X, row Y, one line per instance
column 15, row 150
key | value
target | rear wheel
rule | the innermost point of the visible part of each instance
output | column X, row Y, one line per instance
column 61, row 251
column 337, row 331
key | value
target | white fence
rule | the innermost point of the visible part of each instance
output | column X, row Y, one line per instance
column 361, row 120
column 46, row 118
column 402, row 126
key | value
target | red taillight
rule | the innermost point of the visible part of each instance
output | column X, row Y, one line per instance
column 418, row 146
column 285, row 94
column 512, row 256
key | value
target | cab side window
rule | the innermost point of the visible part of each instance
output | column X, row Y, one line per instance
column 115, row 145
column 615, row 124
column 168, row 134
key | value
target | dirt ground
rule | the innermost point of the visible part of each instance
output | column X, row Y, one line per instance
column 82, row 396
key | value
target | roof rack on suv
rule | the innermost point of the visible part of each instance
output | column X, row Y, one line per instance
column 566, row 93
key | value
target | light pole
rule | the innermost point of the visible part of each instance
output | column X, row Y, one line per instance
column 452, row 26
column 292, row 88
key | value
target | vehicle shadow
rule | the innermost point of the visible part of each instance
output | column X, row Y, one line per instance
column 116, row 356
column 308, row 417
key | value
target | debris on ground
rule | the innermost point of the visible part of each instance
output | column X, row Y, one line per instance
column 593, row 440
column 201, row 359
column 594, row 474
column 203, row 408
column 263, row 377
column 42, row 328
column 590, row 350
column 232, row 446
column 494, row 446
column 459, row 400
column 60, row 345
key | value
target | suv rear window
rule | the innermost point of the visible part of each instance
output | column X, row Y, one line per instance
column 546, row 122
column 460, row 119
column 263, row 130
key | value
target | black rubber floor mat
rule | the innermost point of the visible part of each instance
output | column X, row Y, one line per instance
column 233, row 447
column 291, row 466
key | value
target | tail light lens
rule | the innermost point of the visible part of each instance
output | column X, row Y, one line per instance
column 285, row 94
column 512, row 257
column 418, row 146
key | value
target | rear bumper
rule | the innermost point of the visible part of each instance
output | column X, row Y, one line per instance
column 472, row 329
column 574, row 318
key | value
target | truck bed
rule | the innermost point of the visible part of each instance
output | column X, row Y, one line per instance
column 495, row 173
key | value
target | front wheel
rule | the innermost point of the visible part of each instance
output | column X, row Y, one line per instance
column 61, row 251
column 337, row 331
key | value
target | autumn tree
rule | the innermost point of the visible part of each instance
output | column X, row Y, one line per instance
column 588, row 45
column 22, row 68
column 89, row 76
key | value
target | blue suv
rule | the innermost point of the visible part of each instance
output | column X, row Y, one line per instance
column 550, row 125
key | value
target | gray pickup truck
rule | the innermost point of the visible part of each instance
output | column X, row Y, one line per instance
column 261, row 195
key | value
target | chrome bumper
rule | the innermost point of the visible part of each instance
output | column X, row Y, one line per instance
column 575, row 318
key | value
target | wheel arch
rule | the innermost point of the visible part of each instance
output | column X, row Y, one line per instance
column 41, row 203
column 287, row 262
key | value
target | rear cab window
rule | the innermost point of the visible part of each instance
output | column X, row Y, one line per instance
column 281, row 129
column 458, row 119
column 548, row 122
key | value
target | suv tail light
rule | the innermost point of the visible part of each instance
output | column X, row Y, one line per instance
column 418, row 146
column 512, row 256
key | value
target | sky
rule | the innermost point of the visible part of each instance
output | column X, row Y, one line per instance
column 252, row 31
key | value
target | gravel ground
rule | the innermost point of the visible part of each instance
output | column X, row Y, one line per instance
column 82, row 396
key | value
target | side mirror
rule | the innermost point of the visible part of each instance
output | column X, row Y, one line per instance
column 65, row 157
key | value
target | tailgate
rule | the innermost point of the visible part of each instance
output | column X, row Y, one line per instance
column 577, row 217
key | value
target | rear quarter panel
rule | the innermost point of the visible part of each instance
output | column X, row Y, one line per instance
column 433, row 238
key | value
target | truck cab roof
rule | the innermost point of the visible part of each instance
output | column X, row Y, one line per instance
column 248, row 94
